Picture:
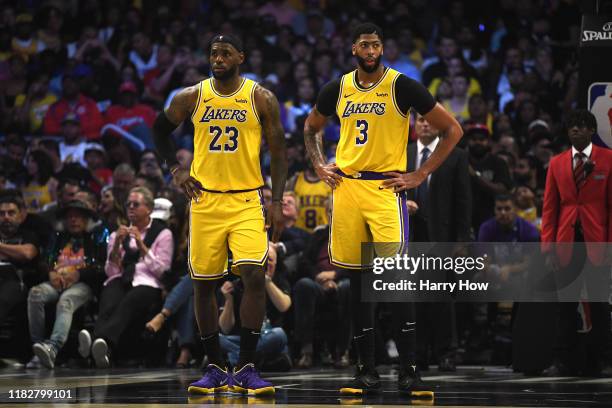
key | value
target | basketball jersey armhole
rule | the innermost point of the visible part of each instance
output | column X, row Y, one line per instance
column 197, row 106
column 253, row 105
column 393, row 96
column 340, row 94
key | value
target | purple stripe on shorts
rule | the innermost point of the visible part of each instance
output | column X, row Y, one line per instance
column 405, row 221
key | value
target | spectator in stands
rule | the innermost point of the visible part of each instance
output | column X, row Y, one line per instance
column 143, row 54
column 130, row 115
column 393, row 58
column 150, row 165
column 293, row 239
column 524, row 198
column 506, row 226
column 191, row 77
column 272, row 345
column 525, row 173
column 95, row 157
column 446, row 48
column 515, row 78
column 489, row 174
column 72, row 148
column 51, row 147
column 33, row 105
column 73, row 101
column 323, row 291
column 301, row 104
column 16, row 148
column 24, row 43
column 457, row 66
column 479, row 111
column 179, row 301
column 18, row 250
column 138, row 255
column 458, row 103
column 66, row 192
column 52, row 21
column 11, row 88
column 123, row 181
column 109, row 210
column 470, row 48
column 153, row 184
column 41, row 187
column 75, row 260
column 312, row 195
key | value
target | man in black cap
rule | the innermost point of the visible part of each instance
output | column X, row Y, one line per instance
column 72, row 148
column 75, row 260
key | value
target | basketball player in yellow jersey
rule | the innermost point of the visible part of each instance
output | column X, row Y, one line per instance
column 312, row 194
column 373, row 104
column 229, row 113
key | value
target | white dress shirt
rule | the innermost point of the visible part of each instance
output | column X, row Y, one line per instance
column 587, row 151
column 420, row 146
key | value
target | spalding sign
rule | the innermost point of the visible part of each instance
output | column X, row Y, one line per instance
column 596, row 31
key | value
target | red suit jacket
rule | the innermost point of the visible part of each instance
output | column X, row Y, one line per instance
column 564, row 205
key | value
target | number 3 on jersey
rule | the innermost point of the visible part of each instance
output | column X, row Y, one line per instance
column 232, row 138
column 362, row 126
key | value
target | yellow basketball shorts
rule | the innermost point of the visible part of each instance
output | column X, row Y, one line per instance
column 363, row 212
column 222, row 222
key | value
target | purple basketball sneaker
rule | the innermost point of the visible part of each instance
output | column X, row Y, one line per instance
column 247, row 381
column 215, row 379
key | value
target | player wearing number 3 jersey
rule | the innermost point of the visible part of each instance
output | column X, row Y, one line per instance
column 368, row 205
column 230, row 114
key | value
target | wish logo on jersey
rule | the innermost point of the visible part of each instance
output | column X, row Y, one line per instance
column 368, row 107
column 223, row 114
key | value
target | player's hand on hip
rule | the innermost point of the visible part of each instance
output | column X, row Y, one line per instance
column 327, row 173
column 190, row 186
column 274, row 220
column 403, row 181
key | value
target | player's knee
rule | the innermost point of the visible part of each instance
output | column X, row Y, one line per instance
column 204, row 287
column 252, row 277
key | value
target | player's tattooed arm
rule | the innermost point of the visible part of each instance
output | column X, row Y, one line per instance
column 313, row 140
column 313, row 136
column 269, row 114
column 182, row 105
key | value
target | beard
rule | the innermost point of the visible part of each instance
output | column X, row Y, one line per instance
column 362, row 64
column 230, row 72
column 478, row 151
column 8, row 228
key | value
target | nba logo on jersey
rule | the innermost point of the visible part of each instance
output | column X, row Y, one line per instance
column 600, row 105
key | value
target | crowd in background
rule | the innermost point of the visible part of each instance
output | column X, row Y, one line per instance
column 82, row 82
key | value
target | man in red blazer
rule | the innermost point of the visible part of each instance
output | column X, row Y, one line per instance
column 578, row 209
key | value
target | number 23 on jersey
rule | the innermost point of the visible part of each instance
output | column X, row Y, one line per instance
column 230, row 134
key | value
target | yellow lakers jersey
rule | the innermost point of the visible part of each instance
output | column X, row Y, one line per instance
column 373, row 130
column 312, row 198
column 227, row 139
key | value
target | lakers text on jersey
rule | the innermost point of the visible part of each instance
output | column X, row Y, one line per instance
column 373, row 130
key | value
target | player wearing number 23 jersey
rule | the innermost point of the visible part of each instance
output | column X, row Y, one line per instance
column 227, row 142
column 227, row 139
